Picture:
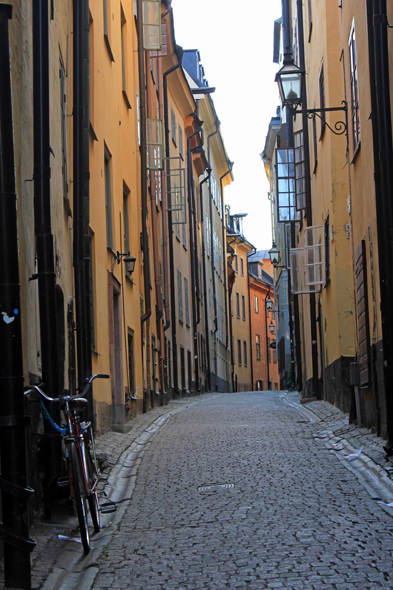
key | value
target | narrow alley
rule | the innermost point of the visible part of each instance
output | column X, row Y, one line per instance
column 239, row 490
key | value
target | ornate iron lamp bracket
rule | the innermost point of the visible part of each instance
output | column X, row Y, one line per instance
column 340, row 127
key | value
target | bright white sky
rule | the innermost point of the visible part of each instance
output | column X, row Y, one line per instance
column 235, row 41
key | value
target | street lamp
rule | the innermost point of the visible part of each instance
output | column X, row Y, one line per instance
column 289, row 79
column 269, row 304
column 271, row 328
column 129, row 261
column 290, row 84
column 274, row 255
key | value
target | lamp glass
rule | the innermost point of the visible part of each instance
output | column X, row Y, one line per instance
column 289, row 79
column 129, row 262
column 274, row 254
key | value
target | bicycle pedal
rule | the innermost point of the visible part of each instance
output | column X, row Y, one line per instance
column 63, row 482
column 108, row 508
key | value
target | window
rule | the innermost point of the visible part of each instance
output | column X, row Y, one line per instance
column 268, row 351
column 126, row 219
column 154, row 361
column 91, row 280
column 237, row 304
column 173, row 126
column 256, row 300
column 245, row 352
column 314, row 135
column 181, row 142
column 354, row 89
column 186, row 301
column 189, row 369
column 184, row 228
column 242, row 267
column 182, row 368
column 108, row 198
column 180, row 296
column 327, row 248
column 258, row 346
column 207, row 236
column 322, row 99
column 124, row 54
column 363, row 315
column 274, row 349
column 244, row 308
column 308, row 263
column 285, row 172
column 107, row 21
column 239, row 352
column 63, row 111
column 151, row 24
column 236, row 264
column 300, row 184
column 309, row 6
column 131, row 371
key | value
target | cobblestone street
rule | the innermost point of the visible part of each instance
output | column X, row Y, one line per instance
column 236, row 492
column 225, row 491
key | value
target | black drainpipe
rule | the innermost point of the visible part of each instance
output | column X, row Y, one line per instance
column 179, row 53
column 81, row 247
column 190, row 151
column 204, row 277
column 14, row 530
column 313, row 314
column 44, row 239
column 144, row 196
column 249, row 319
column 383, row 158
column 225, row 249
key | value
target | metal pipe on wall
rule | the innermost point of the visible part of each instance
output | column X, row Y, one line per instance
column 44, row 238
column 14, row 531
column 179, row 54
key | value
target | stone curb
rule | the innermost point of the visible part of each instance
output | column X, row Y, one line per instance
column 373, row 477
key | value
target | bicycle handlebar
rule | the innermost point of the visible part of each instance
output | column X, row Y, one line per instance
column 68, row 397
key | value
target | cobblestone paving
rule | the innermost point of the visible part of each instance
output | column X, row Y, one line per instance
column 236, row 492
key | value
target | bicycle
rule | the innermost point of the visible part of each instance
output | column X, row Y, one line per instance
column 80, row 453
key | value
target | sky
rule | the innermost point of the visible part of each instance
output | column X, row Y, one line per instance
column 235, row 41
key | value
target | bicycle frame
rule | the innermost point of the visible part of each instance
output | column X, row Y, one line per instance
column 82, row 470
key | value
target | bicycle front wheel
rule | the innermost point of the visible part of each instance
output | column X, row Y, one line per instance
column 78, row 488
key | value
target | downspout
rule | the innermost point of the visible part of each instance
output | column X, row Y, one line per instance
column 211, row 236
column 204, row 277
column 307, row 171
column 383, row 156
column 267, row 349
column 179, row 53
column 249, row 319
column 81, row 249
column 143, row 152
column 163, row 205
column 14, row 530
column 156, row 262
column 44, row 238
column 224, row 248
column 190, row 151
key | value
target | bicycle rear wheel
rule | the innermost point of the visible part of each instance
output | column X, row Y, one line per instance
column 78, row 487
column 93, row 497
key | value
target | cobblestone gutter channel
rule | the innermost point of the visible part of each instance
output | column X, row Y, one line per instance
column 60, row 564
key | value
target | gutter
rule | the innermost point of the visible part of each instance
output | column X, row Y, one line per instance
column 204, row 276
